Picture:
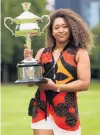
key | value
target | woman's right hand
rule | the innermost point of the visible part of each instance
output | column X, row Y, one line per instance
column 28, row 54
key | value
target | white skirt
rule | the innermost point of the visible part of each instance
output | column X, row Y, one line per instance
column 50, row 124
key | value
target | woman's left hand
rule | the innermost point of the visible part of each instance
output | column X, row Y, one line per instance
column 48, row 85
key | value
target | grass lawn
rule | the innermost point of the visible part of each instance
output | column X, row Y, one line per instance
column 14, row 104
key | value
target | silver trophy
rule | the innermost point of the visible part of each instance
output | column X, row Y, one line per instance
column 29, row 71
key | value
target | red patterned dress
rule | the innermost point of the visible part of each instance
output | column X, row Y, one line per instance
column 61, row 106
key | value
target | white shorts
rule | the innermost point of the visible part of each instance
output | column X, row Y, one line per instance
column 50, row 124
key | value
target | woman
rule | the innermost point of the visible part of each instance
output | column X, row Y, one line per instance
column 66, row 67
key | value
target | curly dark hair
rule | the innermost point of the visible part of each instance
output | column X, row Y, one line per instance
column 81, row 36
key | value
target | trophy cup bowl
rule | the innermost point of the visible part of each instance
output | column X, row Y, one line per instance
column 27, row 25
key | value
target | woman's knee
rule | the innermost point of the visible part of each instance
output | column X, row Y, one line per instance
column 43, row 132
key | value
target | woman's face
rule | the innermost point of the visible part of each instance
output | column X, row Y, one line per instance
column 60, row 30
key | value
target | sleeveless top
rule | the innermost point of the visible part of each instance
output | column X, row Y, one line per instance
column 63, row 105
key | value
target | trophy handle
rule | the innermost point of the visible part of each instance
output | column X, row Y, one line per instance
column 45, row 16
column 11, row 23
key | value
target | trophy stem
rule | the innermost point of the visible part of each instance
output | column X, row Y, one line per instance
column 28, row 41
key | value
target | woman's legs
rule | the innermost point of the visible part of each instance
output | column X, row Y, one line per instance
column 43, row 132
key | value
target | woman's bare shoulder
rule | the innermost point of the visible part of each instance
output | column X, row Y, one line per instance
column 38, row 55
column 82, row 53
column 41, row 51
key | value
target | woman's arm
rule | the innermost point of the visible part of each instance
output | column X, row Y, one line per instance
column 83, row 74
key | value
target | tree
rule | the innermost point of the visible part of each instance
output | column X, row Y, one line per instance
column 95, row 57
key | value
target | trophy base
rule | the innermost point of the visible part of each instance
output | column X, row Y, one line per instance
column 31, row 81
